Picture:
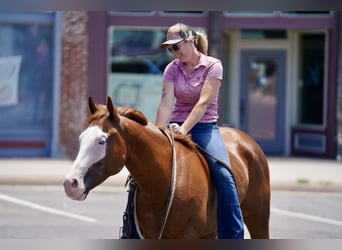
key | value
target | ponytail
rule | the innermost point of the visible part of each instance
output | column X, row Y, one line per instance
column 201, row 42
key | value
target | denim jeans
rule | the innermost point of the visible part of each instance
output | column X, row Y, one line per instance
column 229, row 217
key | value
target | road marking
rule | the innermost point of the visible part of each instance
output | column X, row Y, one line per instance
column 46, row 209
column 307, row 217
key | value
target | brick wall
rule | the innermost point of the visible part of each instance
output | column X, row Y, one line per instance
column 73, row 109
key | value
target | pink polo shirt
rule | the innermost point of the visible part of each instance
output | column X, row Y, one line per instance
column 187, row 90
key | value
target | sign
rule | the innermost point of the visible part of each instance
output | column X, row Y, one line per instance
column 9, row 80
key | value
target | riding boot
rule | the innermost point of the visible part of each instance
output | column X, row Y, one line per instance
column 128, row 231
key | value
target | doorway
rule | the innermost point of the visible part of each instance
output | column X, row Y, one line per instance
column 262, row 99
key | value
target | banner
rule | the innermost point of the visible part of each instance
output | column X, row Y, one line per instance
column 9, row 78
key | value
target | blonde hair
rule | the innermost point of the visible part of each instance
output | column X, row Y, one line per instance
column 201, row 42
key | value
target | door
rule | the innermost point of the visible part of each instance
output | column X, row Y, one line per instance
column 262, row 107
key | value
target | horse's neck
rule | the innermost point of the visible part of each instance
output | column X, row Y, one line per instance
column 148, row 157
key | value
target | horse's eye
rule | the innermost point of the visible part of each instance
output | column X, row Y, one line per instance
column 102, row 141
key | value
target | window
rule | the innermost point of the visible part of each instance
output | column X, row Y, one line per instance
column 137, row 63
column 263, row 34
column 27, row 76
column 311, row 79
column 26, row 83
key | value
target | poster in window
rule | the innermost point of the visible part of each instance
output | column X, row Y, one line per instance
column 9, row 78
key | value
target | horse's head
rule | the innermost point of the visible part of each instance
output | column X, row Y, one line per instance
column 102, row 151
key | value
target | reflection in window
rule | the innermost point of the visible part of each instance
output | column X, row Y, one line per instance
column 137, row 63
column 262, row 97
column 311, row 75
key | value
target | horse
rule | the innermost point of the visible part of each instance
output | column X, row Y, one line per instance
column 118, row 137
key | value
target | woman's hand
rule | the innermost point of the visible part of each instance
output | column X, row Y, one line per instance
column 177, row 129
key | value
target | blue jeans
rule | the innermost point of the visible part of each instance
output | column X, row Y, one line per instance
column 229, row 217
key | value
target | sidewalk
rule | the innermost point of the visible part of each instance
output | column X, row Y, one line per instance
column 286, row 173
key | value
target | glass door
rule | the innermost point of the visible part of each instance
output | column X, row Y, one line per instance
column 262, row 102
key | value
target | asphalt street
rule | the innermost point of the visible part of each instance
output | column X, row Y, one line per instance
column 44, row 212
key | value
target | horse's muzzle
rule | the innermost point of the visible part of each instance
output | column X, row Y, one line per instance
column 74, row 190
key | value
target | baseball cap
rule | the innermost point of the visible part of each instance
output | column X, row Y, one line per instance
column 177, row 33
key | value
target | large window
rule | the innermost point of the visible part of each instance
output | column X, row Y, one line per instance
column 26, row 76
column 311, row 79
column 137, row 63
column 26, row 83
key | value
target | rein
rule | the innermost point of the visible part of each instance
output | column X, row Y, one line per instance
column 173, row 181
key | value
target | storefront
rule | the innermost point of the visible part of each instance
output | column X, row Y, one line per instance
column 280, row 71
column 280, row 79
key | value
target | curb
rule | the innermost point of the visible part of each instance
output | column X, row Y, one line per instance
column 306, row 187
column 119, row 181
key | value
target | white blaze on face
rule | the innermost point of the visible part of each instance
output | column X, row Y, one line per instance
column 92, row 149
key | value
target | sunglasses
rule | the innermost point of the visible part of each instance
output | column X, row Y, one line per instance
column 174, row 47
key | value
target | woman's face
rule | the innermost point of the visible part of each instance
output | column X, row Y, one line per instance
column 181, row 50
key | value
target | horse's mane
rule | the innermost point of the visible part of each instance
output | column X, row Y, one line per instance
column 133, row 114
column 128, row 112
column 139, row 117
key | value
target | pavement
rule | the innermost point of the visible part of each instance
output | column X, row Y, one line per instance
column 286, row 173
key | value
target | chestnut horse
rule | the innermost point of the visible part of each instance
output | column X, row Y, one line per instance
column 118, row 137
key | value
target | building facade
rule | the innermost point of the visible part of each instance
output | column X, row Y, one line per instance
column 282, row 79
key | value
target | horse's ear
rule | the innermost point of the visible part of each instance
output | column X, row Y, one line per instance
column 113, row 114
column 92, row 105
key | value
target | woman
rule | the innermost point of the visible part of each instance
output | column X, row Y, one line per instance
column 189, row 102
column 191, row 84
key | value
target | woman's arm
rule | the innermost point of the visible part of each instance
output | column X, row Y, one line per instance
column 209, row 91
column 166, row 104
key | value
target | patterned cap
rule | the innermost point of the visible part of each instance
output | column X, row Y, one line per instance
column 177, row 33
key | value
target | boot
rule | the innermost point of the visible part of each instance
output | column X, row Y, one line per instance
column 128, row 231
